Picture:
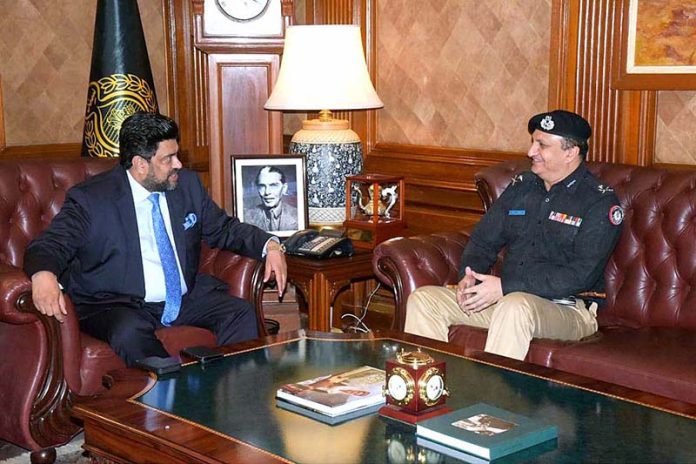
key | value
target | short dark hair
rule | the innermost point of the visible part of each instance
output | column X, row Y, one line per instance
column 141, row 134
column 570, row 142
column 270, row 169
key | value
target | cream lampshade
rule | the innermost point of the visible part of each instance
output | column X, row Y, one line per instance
column 323, row 69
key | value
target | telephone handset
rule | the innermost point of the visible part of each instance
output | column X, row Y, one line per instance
column 314, row 244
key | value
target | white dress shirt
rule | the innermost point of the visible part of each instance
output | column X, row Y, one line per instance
column 155, row 290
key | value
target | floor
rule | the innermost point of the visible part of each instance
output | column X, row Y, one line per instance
column 286, row 314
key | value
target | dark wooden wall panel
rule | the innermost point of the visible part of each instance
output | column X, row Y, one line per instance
column 239, row 86
column 440, row 189
column 2, row 121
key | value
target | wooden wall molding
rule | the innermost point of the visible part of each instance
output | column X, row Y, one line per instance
column 53, row 150
column 3, row 141
column 440, row 188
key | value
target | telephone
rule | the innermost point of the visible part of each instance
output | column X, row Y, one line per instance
column 315, row 244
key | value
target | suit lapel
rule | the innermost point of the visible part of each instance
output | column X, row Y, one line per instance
column 126, row 211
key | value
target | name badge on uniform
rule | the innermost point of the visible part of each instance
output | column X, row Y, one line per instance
column 565, row 219
column 517, row 212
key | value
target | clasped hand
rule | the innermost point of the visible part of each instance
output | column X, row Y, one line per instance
column 473, row 297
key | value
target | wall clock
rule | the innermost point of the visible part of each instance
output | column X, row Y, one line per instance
column 242, row 10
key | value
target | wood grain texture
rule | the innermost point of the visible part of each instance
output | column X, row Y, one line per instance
column 440, row 189
column 239, row 85
column 320, row 282
column 2, row 120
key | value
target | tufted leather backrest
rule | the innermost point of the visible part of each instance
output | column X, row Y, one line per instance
column 31, row 193
column 651, row 275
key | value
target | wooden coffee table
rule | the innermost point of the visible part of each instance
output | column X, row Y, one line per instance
column 225, row 411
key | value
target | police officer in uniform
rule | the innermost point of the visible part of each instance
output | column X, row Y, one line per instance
column 559, row 225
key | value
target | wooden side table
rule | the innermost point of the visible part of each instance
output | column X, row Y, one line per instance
column 321, row 280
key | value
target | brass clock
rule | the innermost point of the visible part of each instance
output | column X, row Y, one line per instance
column 242, row 10
column 415, row 387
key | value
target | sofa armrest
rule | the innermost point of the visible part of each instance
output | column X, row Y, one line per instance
column 14, row 284
column 42, row 368
column 404, row 264
column 244, row 276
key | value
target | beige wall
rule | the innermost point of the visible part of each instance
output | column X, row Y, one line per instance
column 45, row 57
column 464, row 73
column 468, row 73
column 676, row 127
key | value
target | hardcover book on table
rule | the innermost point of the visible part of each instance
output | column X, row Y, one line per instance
column 337, row 394
column 486, row 431
column 321, row 417
column 524, row 455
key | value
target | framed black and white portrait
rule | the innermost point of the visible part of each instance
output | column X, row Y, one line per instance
column 270, row 192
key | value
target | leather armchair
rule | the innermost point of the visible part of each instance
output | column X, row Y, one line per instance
column 48, row 366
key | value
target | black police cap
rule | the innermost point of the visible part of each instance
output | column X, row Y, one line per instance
column 561, row 122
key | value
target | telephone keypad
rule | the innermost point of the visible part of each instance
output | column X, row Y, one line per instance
column 317, row 245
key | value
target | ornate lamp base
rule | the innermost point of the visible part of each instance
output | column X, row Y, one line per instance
column 332, row 152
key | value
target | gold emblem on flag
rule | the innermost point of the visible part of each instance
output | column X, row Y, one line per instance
column 110, row 100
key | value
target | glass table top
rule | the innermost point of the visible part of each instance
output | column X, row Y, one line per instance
column 235, row 396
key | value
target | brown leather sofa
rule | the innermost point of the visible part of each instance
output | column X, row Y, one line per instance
column 47, row 366
column 647, row 335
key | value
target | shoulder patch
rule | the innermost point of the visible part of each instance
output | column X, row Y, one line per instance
column 616, row 215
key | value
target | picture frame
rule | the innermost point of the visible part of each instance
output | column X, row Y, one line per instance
column 650, row 55
column 269, row 191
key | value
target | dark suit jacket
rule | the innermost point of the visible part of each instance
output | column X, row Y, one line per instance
column 92, row 244
column 257, row 216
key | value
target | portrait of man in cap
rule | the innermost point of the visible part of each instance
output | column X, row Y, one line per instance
column 558, row 225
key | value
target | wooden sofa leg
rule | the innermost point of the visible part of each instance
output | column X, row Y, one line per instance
column 44, row 456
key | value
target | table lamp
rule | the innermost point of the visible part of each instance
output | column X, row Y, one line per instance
column 323, row 69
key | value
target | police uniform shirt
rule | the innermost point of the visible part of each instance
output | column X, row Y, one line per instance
column 558, row 241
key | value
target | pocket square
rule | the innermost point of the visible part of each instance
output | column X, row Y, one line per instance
column 189, row 221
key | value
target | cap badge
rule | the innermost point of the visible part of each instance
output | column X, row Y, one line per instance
column 547, row 123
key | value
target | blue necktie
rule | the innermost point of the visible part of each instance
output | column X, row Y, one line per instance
column 172, row 278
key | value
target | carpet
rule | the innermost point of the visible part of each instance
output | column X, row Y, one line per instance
column 67, row 454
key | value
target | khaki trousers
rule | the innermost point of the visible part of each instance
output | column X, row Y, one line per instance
column 512, row 322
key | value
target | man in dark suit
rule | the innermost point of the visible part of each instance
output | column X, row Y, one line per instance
column 126, row 248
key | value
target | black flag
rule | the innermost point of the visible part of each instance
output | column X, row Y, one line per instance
column 120, row 81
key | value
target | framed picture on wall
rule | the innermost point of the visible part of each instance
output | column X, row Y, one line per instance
column 270, row 191
column 657, row 49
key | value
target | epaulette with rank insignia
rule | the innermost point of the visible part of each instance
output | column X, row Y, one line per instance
column 604, row 189
column 516, row 179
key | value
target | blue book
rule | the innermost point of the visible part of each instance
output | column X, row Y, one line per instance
column 486, row 431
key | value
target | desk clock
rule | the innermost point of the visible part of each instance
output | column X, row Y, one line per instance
column 414, row 388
